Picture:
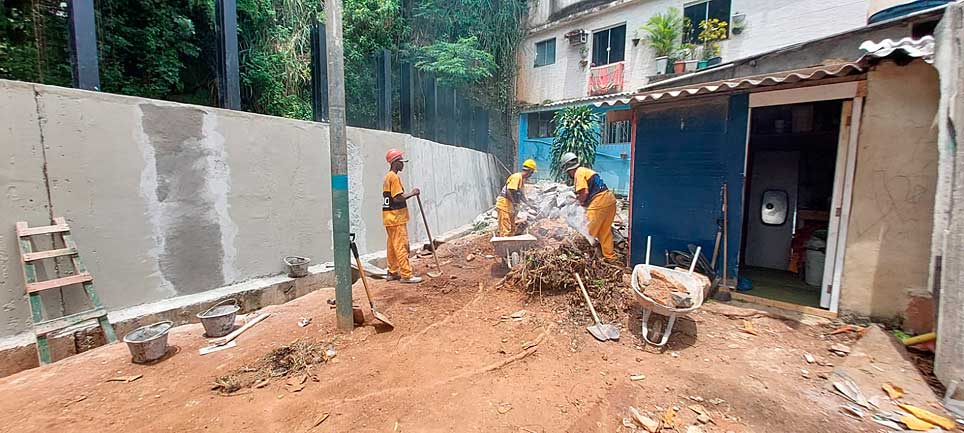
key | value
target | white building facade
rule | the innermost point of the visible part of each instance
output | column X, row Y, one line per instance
column 606, row 41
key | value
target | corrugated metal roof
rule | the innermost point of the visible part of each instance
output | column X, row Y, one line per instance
column 922, row 48
column 785, row 77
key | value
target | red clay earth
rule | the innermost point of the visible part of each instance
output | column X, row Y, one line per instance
column 450, row 365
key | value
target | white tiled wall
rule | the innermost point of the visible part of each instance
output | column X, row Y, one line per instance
column 770, row 24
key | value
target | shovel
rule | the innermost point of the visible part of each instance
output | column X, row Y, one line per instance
column 361, row 270
column 601, row 331
column 438, row 268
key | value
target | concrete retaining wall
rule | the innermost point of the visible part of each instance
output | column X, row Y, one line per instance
column 168, row 200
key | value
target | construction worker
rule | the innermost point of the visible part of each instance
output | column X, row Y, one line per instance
column 395, row 219
column 599, row 201
column 513, row 195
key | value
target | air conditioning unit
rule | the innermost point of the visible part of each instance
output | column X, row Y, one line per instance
column 577, row 37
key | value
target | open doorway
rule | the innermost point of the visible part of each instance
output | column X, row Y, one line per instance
column 789, row 193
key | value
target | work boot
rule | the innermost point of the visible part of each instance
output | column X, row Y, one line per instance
column 412, row 280
column 392, row 277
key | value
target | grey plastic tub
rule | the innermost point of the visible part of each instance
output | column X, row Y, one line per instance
column 148, row 343
column 218, row 320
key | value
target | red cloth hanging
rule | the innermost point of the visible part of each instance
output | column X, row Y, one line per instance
column 607, row 79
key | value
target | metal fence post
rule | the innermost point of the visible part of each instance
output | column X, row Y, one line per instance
column 229, row 75
column 383, row 78
column 319, row 73
column 83, row 44
column 406, row 98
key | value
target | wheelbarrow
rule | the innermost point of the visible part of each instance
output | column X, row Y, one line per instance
column 512, row 248
column 695, row 296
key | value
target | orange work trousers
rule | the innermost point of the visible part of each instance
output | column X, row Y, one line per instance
column 601, row 212
column 506, row 222
column 397, row 251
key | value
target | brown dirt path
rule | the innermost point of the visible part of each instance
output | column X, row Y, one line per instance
column 439, row 371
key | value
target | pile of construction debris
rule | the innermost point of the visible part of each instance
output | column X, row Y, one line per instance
column 293, row 362
column 550, row 271
column 549, row 201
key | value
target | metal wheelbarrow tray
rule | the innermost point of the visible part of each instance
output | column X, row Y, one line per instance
column 506, row 245
column 696, row 291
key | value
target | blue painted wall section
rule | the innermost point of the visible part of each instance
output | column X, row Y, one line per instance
column 684, row 154
column 611, row 167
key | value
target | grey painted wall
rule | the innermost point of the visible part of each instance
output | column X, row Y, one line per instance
column 168, row 199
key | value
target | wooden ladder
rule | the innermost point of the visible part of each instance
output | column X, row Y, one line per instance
column 29, row 257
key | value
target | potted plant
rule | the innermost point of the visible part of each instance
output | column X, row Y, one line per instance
column 583, row 55
column 662, row 32
column 712, row 31
column 681, row 57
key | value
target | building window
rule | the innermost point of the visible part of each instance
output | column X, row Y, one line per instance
column 609, row 46
column 615, row 132
column 698, row 12
column 546, row 52
column 541, row 124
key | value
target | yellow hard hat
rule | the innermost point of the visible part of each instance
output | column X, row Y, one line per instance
column 530, row 164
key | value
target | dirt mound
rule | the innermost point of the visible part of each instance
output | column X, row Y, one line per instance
column 294, row 360
column 549, row 272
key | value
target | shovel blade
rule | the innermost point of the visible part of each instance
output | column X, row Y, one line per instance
column 611, row 332
column 434, row 274
column 597, row 332
column 382, row 318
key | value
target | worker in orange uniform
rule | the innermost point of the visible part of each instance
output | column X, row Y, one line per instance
column 599, row 201
column 395, row 219
column 513, row 195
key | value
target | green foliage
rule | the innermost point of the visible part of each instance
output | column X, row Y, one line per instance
column 167, row 49
column 499, row 26
column 663, row 31
column 577, row 131
column 457, row 63
column 146, row 45
column 712, row 31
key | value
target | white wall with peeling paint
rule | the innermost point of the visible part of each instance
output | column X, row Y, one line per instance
column 185, row 199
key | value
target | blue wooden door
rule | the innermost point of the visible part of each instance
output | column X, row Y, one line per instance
column 683, row 153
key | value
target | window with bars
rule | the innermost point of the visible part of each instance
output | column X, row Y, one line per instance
column 545, row 52
column 615, row 132
column 541, row 124
column 696, row 13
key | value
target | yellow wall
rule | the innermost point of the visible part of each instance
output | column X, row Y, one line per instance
column 888, row 242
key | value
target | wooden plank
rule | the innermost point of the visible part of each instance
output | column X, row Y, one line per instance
column 49, row 254
column 784, row 305
column 804, row 94
column 848, row 195
column 33, row 231
column 59, row 282
column 48, row 326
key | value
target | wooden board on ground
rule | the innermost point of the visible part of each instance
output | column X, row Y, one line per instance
column 784, row 305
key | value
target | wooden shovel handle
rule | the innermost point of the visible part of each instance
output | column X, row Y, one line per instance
column 364, row 278
column 585, row 294
column 431, row 242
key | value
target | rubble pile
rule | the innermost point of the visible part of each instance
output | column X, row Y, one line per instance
column 293, row 361
column 664, row 290
column 549, row 271
column 552, row 204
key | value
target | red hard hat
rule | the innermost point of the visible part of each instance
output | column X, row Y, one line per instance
column 392, row 155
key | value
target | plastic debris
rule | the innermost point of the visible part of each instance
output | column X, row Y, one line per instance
column 645, row 422
column 930, row 417
column 840, row 349
column 853, row 411
column 893, row 391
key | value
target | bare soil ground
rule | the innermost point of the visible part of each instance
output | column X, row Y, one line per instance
column 452, row 364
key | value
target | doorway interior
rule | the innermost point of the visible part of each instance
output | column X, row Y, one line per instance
column 788, row 197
